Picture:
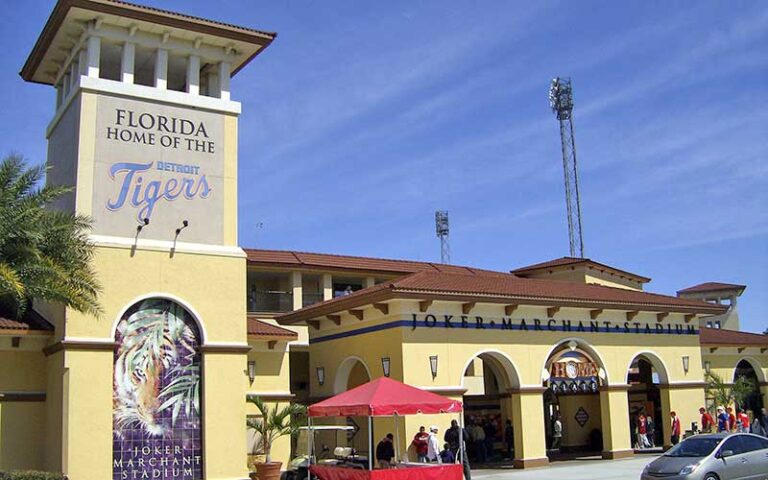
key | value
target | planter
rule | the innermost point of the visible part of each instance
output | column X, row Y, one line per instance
column 267, row 471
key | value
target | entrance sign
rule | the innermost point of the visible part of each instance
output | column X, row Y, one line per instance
column 156, row 396
column 573, row 372
column 161, row 163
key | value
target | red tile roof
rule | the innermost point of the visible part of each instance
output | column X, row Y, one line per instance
column 718, row 336
column 504, row 288
column 31, row 321
column 283, row 258
column 259, row 328
column 712, row 287
column 565, row 261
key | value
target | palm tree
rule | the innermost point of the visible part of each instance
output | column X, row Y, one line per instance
column 44, row 253
column 274, row 423
column 723, row 393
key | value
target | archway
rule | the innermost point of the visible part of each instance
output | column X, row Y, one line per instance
column 748, row 369
column 572, row 376
column 488, row 378
column 351, row 372
column 645, row 374
column 157, row 382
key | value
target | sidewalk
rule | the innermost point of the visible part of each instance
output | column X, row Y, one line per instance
column 585, row 469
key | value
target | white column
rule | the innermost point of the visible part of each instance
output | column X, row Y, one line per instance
column 193, row 75
column 65, row 85
column 369, row 282
column 327, row 286
column 82, row 61
column 161, row 69
column 127, row 63
column 94, row 56
column 59, row 95
column 296, row 289
column 224, row 80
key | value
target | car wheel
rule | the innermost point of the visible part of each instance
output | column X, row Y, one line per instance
column 711, row 476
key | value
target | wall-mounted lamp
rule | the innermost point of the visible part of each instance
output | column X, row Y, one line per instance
column 707, row 366
column 251, row 370
column 320, row 375
column 686, row 363
column 141, row 226
column 385, row 365
column 184, row 224
column 433, row 365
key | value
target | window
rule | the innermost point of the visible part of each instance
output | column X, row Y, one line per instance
column 709, row 324
column 753, row 443
column 734, row 444
column 717, row 324
column 110, row 60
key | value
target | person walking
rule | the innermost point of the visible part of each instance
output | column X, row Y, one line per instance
column 478, row 440
column 764, row 421
column 723, row 424
column 433, row 446
column 675, row 427
column 742, row 421
column 420, row 443
column 757, row 427
column 457, row 439
column 731, row 419
column 707, row 422
column 385, row 452
column 650, row 431
column 557, row 433
column 509, row 437
column 642, row 429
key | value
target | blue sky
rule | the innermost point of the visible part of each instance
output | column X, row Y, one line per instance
column 363, row 118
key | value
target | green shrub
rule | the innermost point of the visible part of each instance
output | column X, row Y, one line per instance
column 30, row 475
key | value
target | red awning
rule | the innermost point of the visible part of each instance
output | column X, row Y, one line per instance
column 384, row 397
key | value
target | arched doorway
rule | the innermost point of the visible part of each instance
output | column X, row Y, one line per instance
column 488, row 378
column 157, row 398
column 645, row 375
column 572, row 377
column 754, row 400
column 351, row 372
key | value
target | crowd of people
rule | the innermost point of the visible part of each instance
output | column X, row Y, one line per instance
column 644, row 428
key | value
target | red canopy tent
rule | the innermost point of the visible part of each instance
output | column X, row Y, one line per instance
column 384, row 397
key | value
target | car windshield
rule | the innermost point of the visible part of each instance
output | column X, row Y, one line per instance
column 694, row 447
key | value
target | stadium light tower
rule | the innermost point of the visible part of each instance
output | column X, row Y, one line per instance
column 441, row 228
column 561, row 101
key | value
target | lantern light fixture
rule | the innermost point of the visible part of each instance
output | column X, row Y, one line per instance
column 385, row 365
column 251, row 371
column 320, row 375
column 433, row 365
column 686, row 363
column 707, row 366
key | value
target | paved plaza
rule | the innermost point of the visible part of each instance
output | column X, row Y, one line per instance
column 574, row 470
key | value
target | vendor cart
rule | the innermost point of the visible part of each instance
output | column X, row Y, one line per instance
column 385, row 397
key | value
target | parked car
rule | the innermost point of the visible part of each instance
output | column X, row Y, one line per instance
column 719, row 456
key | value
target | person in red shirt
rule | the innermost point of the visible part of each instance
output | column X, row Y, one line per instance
column 742, row 421
column 675, row 428
column 731, row 419
column 707, row 422
column 421, row 444
column 642, row 430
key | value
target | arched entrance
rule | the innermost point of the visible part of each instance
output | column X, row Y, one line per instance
column 645, row 375
column 351, row 372
column 754, row 400
column 157, row 398
column 572, row 377
column 488, row 378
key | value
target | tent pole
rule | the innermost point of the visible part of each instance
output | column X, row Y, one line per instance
column 370, row 443
column 310, row 446
column 397, row 438
column 461, row 438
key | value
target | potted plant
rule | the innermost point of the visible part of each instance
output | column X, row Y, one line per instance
column 273, row 424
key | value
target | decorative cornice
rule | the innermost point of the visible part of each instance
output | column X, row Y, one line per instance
column 682, row 385
column 93, row 345
column 235, row 348
column 614, row 388
column 271, row 396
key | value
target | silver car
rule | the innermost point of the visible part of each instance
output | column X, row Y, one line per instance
column 718, row 456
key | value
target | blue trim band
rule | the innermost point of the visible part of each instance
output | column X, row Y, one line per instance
column 492, row 325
